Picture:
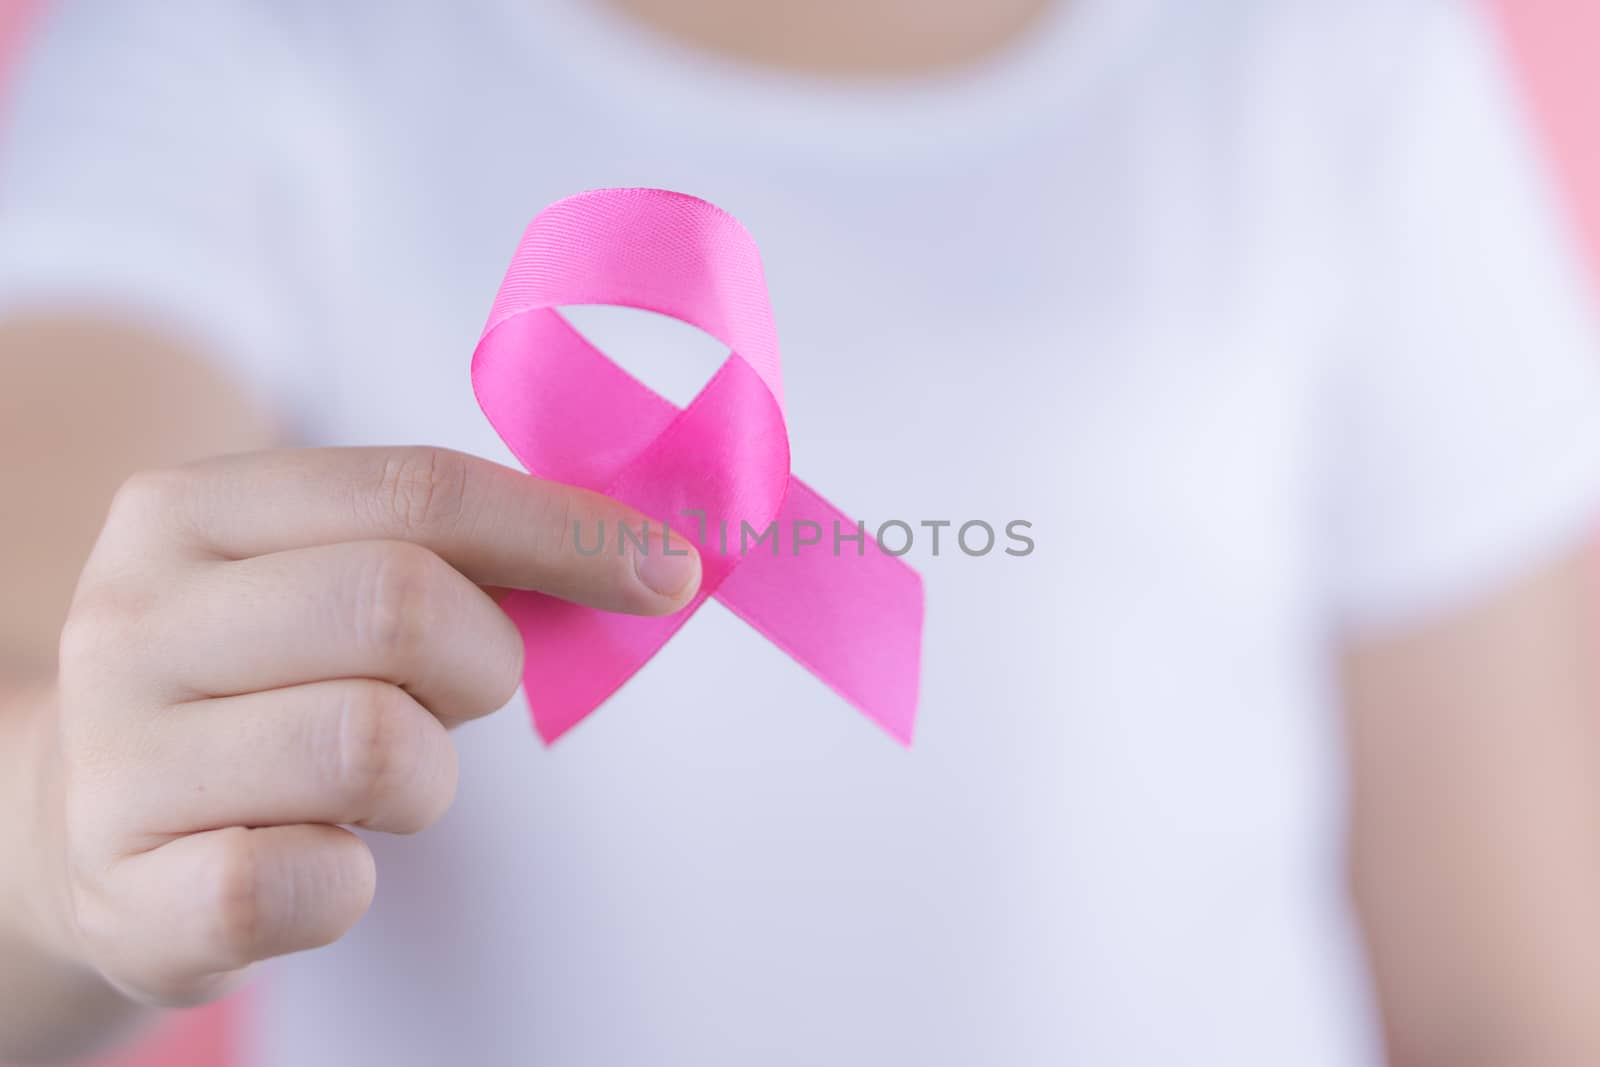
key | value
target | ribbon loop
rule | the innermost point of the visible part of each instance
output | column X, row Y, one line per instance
column 570, row 414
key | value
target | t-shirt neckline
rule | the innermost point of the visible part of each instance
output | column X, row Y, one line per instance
column 675, row 86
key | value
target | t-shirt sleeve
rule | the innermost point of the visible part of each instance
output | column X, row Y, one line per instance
column 1466, row 401
column 142, row 172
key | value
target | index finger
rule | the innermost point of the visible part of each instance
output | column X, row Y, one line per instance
column 497, row 526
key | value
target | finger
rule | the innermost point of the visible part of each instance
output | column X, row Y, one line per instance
column 496, row 525
column 354, row 751
column 208, row 904
column 388, row 610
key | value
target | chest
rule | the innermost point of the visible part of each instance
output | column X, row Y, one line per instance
column 1122, row 364
column 1113, row 363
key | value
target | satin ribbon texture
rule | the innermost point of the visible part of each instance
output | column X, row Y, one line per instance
column 845, row 610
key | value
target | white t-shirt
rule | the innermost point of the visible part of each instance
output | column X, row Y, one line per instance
column 1259, row 312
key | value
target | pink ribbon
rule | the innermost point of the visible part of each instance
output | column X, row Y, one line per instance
column 842, row 608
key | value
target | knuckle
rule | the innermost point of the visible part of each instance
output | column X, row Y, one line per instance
column 118, row 591
column 99, row 624
column 389, row 776
column 562, row 526
column 235, row 905
column 432, row 786
column 401, row 598
column 504, row 684
column 98, row 920
column 423, row 488
column 148, row 494
column 445, row 796
column 366, row 752
column 82, row 641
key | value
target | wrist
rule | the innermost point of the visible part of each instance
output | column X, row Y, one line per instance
column 35, row 914
column 54, row 1004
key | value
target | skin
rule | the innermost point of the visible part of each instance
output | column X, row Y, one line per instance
column 1474, row 747
column 173, row 791
column 263, row 648
column 844, row 37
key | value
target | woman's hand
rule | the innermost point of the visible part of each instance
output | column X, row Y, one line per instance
column 268, row 647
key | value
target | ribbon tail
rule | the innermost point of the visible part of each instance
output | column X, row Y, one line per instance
column 841, row 607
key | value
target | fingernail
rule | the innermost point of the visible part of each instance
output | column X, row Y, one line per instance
column 668, row 572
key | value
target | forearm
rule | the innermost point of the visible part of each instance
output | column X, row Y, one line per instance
column 1475, row 747
column 52, row 1007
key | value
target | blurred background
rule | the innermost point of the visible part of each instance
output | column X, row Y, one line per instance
column 1553, row 46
